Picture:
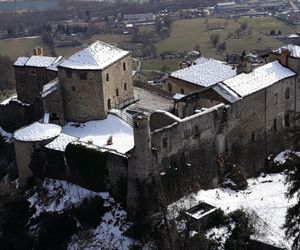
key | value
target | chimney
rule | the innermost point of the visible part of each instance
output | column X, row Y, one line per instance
column 284, row 57
column 38, row 51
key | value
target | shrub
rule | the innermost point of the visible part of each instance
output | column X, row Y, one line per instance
column 217, row 219
column 55, row 230
column 90, row 211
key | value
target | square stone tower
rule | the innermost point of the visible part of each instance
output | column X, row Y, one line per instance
column 95, row 80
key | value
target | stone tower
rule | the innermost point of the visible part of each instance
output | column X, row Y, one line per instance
column 95, row 80
column 139, row 164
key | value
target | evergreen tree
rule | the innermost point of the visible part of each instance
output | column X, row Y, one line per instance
column 292, row 220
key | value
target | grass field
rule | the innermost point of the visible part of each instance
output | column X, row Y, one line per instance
column 168, row 65
column 187, row 33
column 14, row 48
column 266, row 24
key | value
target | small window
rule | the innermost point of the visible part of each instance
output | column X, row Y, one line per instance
column 125, row 86
column 124, row 66
column 275, row 125
column 107, row 77
column 73, row 88
column 83, row 76
column 32, row 73
column 253, row 136
column 275, row 98
column 287, row 120
column 117, row 92
column 287, row 94
column 108, row 104
column 165, row 142
column 182, row 91
column 69, row 74
column 169, row 87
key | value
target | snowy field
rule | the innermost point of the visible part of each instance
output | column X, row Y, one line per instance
column 99, row 131
column 265, row 196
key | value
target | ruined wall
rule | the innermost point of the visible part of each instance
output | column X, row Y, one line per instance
column 160, row 120
column 173, row 85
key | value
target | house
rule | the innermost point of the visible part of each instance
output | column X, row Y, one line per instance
column 205, row 73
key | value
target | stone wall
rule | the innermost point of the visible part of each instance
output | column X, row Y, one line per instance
column 174, row 85
column 53, row 104
column 89, row 94
column 30, row 81
column 244, row 131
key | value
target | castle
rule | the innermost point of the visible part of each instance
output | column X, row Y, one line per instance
column 243, row 116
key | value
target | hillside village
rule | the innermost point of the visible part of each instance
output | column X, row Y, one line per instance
column 91, row 120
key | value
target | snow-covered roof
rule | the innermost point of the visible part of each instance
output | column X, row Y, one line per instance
column 97, row 56
column 293, row 49
column 50, row 87
column 53, row 66
column 226, row 93
column 205, row 73
column 261, row 77
column 21, row 61
column 60, row 143
column 293, row 36
column 99, row 131
column 37, row 61
column 37, row 132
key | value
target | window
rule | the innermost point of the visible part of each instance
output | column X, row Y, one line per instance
column 124, row 66
column 165, row 142
column 169, row 87
column 83, row 76
column 69, row 74
column 107, row 77
column 287, row 94
column 32, row 72
column 117, row 92
column 275, row 125
column 287, row 120
column 73, row 88
column 182, row 91
column 108, row 104
column 253, row 136
column 125, row 86
column 276, row 98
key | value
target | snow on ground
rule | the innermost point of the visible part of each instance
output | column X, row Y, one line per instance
column 61, row 195
column 264, row 195
column 99, row 131
column 6, row 136
column 283, row 156
column 220, row 234
column 6, row 101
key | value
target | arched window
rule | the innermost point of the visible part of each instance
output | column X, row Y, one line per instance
column 124, row 66
column 107, row 77
column 108, row 104
column 125, row 86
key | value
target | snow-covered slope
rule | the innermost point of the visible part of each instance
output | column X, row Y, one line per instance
column 264, row 195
